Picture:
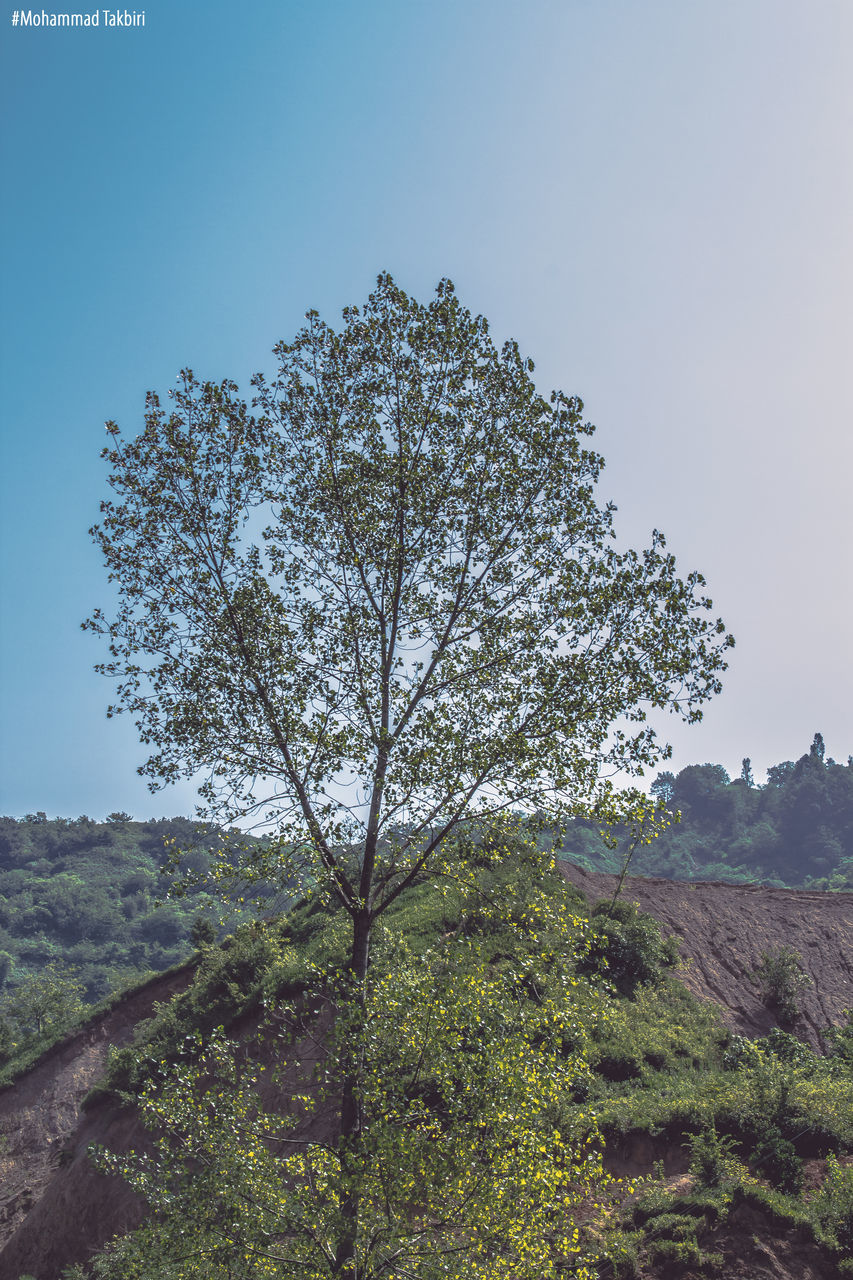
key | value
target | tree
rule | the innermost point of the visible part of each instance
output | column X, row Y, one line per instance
column 663, row 787
column 383, row 604
column 47, row 1001
column 203, row 932
column 474, row 1166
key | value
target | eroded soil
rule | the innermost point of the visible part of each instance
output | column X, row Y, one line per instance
column 723, row 929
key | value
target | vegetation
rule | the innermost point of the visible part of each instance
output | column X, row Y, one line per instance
column 750, row 1113
column 472, row 1050
column 501, row 969
column 796, row 830
column 782, row 981
column 49, row 1000
column 90, row 897
column 434, row 626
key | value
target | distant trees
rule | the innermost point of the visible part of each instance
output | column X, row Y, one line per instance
column 797, row 829
column 46, row 1001
column 86, row 893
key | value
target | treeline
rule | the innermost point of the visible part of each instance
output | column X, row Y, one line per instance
column 89, row 896
column 84, row 895
column 795, row 831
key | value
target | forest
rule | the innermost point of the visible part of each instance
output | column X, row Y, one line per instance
column 795, row 831
column 94, row 898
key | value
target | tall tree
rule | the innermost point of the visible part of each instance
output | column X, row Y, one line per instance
column 387, row 602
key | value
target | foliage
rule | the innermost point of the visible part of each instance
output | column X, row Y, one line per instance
column 627, row 947
column 46, row 1002
column 710, row 1157
column 796, row 830
column 433, row 626
column 475, row 1162
column 776, row 1158
column 86, row 894
column 782, row 981
column 840, row 1041
column 832, row 1206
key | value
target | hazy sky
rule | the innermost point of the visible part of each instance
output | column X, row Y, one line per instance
column 655, row 198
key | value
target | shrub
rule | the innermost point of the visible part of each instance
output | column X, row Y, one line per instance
column 627, row 946
column 710, row 1157
column 741, row 1054
column 840, row 1041
column 777, row 1159
column 782, row 981
column 832, row 1206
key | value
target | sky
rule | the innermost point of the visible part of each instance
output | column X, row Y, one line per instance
column 655, row 199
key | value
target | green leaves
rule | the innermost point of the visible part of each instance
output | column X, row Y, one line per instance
column 469, row 1161
column 382, row 605
column 387, row 597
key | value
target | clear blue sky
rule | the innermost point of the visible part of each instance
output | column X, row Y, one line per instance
column 655, row 199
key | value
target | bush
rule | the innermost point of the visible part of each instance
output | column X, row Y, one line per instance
column 832, row 1207
column 782, row 981
column 711, row 1160
column 776, row 1158
column 840, row 1041
column 627, row 947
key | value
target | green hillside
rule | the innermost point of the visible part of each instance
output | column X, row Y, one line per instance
column 633, row 1059
column 89, row 895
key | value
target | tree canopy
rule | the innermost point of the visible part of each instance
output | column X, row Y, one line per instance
column 796, row 830
column 386, row 597
column 380, row 606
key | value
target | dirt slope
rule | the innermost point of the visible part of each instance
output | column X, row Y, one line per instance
column 43, row 1134
column 723, row 930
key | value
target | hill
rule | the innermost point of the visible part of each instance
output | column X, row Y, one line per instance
column 89, row 897
column 662, row 1068
column 722, row 931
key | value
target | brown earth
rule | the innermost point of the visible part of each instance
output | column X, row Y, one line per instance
column 722, row 930
column 52, row 1203
column 56, row 1210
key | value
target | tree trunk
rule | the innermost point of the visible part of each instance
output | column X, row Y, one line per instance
column 346, row 1264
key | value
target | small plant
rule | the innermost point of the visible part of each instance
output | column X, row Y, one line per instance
column 776, row 1158
column 711, row 1159
column 782, row 981
column 741, row 1054
column 832, row 1207
column 840, row 1040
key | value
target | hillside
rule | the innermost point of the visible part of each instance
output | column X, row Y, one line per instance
column 722, row 930
column 89, row 897
column 55, row 1209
